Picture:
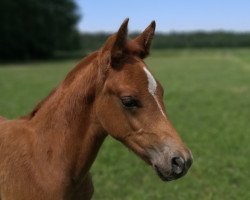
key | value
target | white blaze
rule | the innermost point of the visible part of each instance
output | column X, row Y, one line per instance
column 152, row 86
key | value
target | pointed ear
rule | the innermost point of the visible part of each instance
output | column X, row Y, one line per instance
column 144, row 39
column 115, row 45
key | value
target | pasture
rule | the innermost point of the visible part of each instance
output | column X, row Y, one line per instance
column 207, row 96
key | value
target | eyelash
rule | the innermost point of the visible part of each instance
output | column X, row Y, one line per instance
column 130, row 102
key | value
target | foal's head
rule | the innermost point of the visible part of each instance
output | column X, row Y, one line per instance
column 130, row 105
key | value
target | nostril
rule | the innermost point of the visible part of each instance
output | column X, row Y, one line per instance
column 178, row 165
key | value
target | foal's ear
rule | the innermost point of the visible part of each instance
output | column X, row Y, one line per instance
column 114, row 47
column 144, row 39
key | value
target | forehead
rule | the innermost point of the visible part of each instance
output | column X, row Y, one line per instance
column 135, row 76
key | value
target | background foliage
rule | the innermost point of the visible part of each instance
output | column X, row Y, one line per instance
column 35, row 29
column 177, row 40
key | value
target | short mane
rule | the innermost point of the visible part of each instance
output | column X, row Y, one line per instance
column 69, row 78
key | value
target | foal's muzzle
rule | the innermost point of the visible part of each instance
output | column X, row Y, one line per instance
column 174, row 168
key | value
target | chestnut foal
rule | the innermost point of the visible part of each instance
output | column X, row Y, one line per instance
column 47, row 154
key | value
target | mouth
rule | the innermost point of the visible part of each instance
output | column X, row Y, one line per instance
column 167, row 176
column 162, row 176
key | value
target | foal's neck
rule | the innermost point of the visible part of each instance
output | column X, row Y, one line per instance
column 67, row 120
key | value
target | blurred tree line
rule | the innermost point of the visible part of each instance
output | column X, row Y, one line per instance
column 217, row 39
column 36, row 28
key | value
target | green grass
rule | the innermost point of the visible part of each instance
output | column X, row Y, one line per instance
column 207, row 95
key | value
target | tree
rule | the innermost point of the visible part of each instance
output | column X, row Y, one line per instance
column 36, row 28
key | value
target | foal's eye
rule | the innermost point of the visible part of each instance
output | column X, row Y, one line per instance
column 130, row 102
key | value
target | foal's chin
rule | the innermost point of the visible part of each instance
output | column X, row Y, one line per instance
column 167, row 175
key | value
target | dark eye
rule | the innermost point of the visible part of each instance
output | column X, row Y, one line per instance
column 130, row 102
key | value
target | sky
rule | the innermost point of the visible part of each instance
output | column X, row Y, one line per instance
column 170, row 15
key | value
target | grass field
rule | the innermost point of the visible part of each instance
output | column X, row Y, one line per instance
column 207, row 95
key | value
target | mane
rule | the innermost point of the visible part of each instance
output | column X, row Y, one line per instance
column 69, row 78
column 84, row 62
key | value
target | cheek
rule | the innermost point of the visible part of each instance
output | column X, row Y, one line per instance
column 136, row 122
column 146, row 119
column 112, row 117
